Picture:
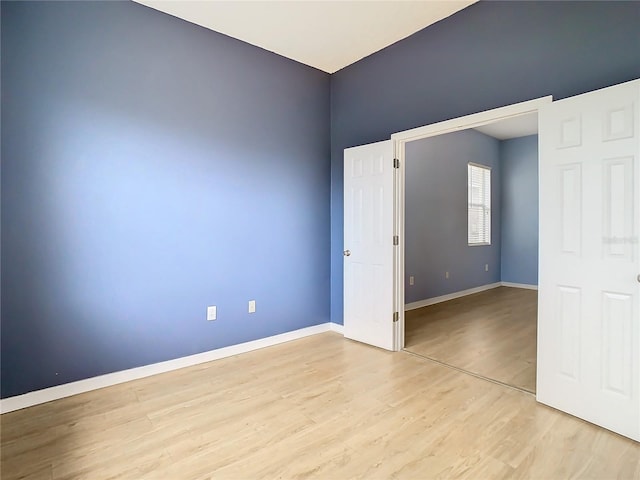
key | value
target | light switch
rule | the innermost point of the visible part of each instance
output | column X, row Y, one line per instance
column 211, row 312
column 252, row 306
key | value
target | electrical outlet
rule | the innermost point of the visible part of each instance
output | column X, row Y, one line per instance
column 252, row 306
column 211, row 312
column 411, row 280
column 446, row 274
column 486, row 267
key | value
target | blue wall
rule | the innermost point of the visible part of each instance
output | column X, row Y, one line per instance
column 436, row 215
column 486, row 56
column 436, row 220
column 152, row 168
column 519, row 168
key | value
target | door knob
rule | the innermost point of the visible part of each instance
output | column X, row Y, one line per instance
column 638, row 278
column 346, row 253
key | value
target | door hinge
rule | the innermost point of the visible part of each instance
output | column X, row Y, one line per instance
column 396, row 163
column 396, row 240
column 396, row 316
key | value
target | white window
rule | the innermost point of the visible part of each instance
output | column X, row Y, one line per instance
column 479, row 204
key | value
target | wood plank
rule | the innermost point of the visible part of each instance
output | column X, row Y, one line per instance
column 491, row 333
column 322, row 407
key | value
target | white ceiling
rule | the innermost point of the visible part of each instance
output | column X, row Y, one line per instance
column 327, row 35
column 520, row 126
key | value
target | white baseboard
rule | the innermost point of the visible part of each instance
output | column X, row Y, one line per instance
column 335, row 327
column 464, row 293
column 519, row 285
column 68, row 389
column 450, row 296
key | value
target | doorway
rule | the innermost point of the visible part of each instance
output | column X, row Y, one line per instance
column 400, row 141
column 471, row 250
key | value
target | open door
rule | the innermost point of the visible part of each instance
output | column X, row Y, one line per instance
column 589, row 292
column 368, row 244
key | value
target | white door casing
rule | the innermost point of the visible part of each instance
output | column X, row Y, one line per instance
column 589, row 290
column 368, row 244
column 440, row 128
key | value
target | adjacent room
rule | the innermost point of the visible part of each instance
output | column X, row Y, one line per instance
column 471, row 257
column 172, row 240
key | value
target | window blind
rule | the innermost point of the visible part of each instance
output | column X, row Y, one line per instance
column 479, row 204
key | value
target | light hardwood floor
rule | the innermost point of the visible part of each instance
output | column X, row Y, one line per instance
column 491, row 333
column 319, row 407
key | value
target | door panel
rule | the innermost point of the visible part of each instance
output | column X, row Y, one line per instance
column 571, row 208
column 618, row 207
column 570, row 316
column 617, row 322
column 589, row 294
column 368, row 236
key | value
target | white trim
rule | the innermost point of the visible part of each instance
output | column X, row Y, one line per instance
column 520, row 285
column 336, row 327
column 400, row 139
column 464, row 293
column 472, row 121
column 450, row 296
column 81, row 386
column 398, row 253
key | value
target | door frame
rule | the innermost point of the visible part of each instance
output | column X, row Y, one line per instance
column 400, row 140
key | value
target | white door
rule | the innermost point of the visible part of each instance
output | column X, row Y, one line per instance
column 368, row 244
column 589, row 290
